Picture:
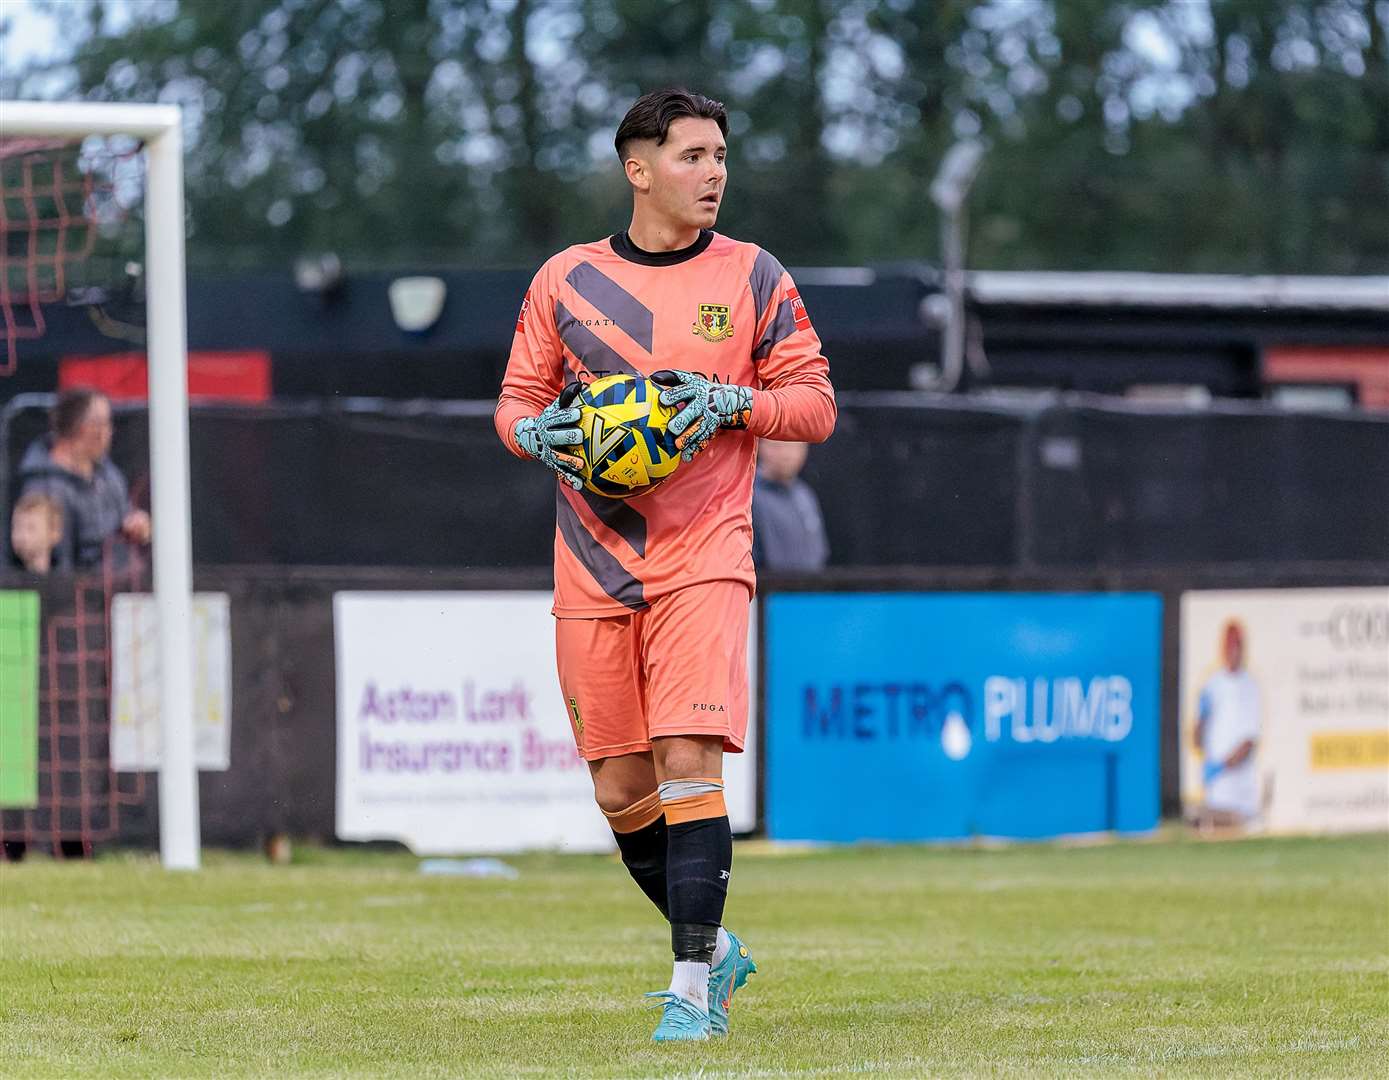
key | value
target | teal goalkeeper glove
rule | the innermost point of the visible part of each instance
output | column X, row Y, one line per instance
column 557, row 426
column 709, row 407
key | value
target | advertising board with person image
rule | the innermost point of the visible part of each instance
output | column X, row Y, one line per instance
column 1285, row 710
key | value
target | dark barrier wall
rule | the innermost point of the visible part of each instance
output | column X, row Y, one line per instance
column 1113, row 487
column 1068, row 482
column 283, row 734
column 345, row 487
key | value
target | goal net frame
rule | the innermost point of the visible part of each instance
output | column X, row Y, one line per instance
column 161, row 129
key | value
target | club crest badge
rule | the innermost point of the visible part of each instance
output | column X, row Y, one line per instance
column 713, row 323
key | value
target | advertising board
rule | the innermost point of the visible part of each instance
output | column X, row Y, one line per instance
column 914, row 716
column 1285, row 709
column 19, row 698
column 137, row 737
column 453, row 735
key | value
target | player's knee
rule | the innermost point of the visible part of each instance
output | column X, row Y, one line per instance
column 617, row 790
column 688, row 755
column 626, row 814
column 612, row 798
column 620, row 782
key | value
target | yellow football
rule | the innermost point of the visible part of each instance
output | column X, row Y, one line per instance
column 628, row 448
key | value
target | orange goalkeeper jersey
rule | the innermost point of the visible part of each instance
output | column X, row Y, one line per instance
column 719, row 307
column 724, row 308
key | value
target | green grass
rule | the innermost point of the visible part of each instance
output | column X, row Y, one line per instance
column 1172, row 958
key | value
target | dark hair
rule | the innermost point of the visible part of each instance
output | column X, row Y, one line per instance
column 651, row 115
column 71, row 410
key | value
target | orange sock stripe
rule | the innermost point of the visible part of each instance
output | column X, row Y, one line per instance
column 696, row 808
column 639, row 815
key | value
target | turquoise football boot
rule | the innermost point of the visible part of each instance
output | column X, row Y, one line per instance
column 680, row 1021
column 725, row 979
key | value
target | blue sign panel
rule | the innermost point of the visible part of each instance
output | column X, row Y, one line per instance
column 913, row 716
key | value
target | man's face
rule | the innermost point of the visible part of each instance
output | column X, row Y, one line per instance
column 32, row 534
column 1234, row 648
column 94, row 434
column 687, row 172
column 781, row 461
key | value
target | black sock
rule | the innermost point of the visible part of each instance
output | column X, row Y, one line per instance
column 697, row 869
column 644, row 854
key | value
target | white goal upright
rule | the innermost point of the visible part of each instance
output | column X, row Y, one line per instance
column 160, row 129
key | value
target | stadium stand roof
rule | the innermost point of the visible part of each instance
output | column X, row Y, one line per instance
column 1220, row 291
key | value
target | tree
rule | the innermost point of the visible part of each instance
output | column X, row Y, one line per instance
column 1236, row 135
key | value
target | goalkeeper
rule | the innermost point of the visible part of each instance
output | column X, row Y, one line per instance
column 652, row 593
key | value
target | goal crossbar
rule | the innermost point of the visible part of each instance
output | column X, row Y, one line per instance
column 160, row 127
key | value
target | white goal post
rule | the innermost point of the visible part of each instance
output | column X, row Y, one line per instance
column 160, row 127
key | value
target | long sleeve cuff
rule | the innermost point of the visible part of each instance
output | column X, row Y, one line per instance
column 505, row 418
column 804, row 413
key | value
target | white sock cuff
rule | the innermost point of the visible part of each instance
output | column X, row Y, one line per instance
column 721, row 946
column 670, row 790
column 690, row 980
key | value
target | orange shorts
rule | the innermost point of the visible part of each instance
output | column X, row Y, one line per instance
column 679, row 667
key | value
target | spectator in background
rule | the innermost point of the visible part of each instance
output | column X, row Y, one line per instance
column 36, row 529
column 71, row 466
column 788, row 532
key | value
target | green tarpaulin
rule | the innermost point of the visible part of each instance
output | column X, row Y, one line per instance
column 19, row 699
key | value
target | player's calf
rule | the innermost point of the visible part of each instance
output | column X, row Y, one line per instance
column 641, row 835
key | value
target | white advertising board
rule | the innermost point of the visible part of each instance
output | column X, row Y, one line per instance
column 453, row 736
column 136, row 737
column 1308, row 692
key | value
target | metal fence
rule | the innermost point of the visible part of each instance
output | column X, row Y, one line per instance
column 1062, row 481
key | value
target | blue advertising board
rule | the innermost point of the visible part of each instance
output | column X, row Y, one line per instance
column 918, row 716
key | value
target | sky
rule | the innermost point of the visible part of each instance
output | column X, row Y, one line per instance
column 35, row 28
column 30, row 34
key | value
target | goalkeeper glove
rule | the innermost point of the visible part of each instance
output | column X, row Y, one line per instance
column 543, row 437
column 708, row 408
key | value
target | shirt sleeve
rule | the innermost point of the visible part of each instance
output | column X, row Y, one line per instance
column 794, row 401
column 535, row 369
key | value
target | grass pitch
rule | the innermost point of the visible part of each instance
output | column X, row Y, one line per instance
column 1168, row 958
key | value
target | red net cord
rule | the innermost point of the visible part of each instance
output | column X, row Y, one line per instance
column 80, row 797
column 47, row 208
